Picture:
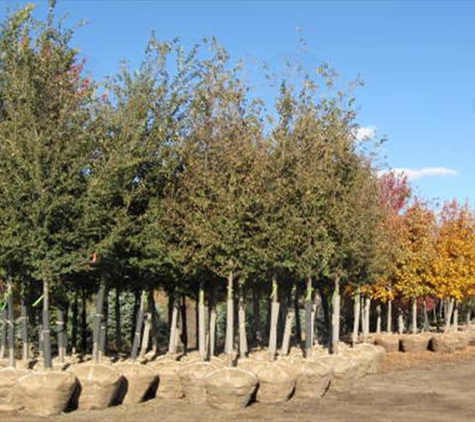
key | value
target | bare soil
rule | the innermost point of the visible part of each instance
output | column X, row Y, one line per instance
column 413, row 387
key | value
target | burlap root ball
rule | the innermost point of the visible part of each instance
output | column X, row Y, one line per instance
column 169, row 383
column 47, row 393
column 9, row 397
column 377, row 353
column 230, row 388
column 192, row 376
column 313, row 379
column 276, row 381
column 414, row 343
column 345, row 372
column 390, row 342
column 98, row 387
column 139, row 379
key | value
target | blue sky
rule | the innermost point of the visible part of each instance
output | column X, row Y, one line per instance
column 416, row 59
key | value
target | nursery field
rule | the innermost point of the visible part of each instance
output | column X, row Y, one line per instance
column 412, row 387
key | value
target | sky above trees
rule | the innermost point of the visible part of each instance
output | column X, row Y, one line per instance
column 415, row 58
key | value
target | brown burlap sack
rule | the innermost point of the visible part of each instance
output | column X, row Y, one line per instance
column 189, row 357
column 98, row 386
column 470, row 335
column 9, row 398
column 169, row 383
column 345, row 372
column 230, row 388
column 313, row 378
column 414, row 343
column 389, row 341
column 46, row 393
column 361, row 359
column 377, row 353
column 276, row 381
column 192, row 376
column 218, row 362
column 444, row 343
column 139, row 379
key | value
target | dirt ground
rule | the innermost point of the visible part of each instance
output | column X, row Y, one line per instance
column 422, row 387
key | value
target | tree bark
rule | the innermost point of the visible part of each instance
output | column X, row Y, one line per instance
column 308, row 319
column 118, row 321
column 448, row 315
column 138, row 327
column 243, row 349
column 98, row 321
column 48, row 362
column 24, row 330
column 256, row 320
column 155, row 319
column 400, row 322
column 172, row 345
column 356, row 315
column 426, row 317
column 274, row 318
column 84, row 322
column 75, row 322
column 389, row 318
column 146, row 334
column 289, row 321
column 60, row 329
column 414, row 316
column 456, row 316
column 11, row 327
column 229, row 342
column 378, row 319
column 201, row 321
column 3, row 345
column 336, row 316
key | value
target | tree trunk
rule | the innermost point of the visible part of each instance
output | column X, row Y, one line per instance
column 242, row 323
column 146, row 334
column 298, row 325
column 201, row 321
column 448, row 315
column 98, row 321
column 400, row 322
column 11, row 328
column 414, row 315
column 48, row 362
column 118, row 321
column 229, row 342
column 172, row 345
column 24, row 330
column 469, row 316
column 274, row 319
column 60, row 329
column 134, row 315
column 212, row 327
column 3, row 339
column 426, row 317
column 356, row 315
column 75, row 322
column 389, row 318
column 336, row 316
column 378, row 319
column 456, row 316
column 155, row 319
column 308, row 319
column 366, row 317
column 138, row 327
column 256, row 320
column 104, row 320
column 84, row 322
column 317, row 304
column 3, row 345
column 289, row 321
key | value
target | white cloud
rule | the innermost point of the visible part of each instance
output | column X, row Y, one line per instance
column 413, row 174
column 366, row 133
